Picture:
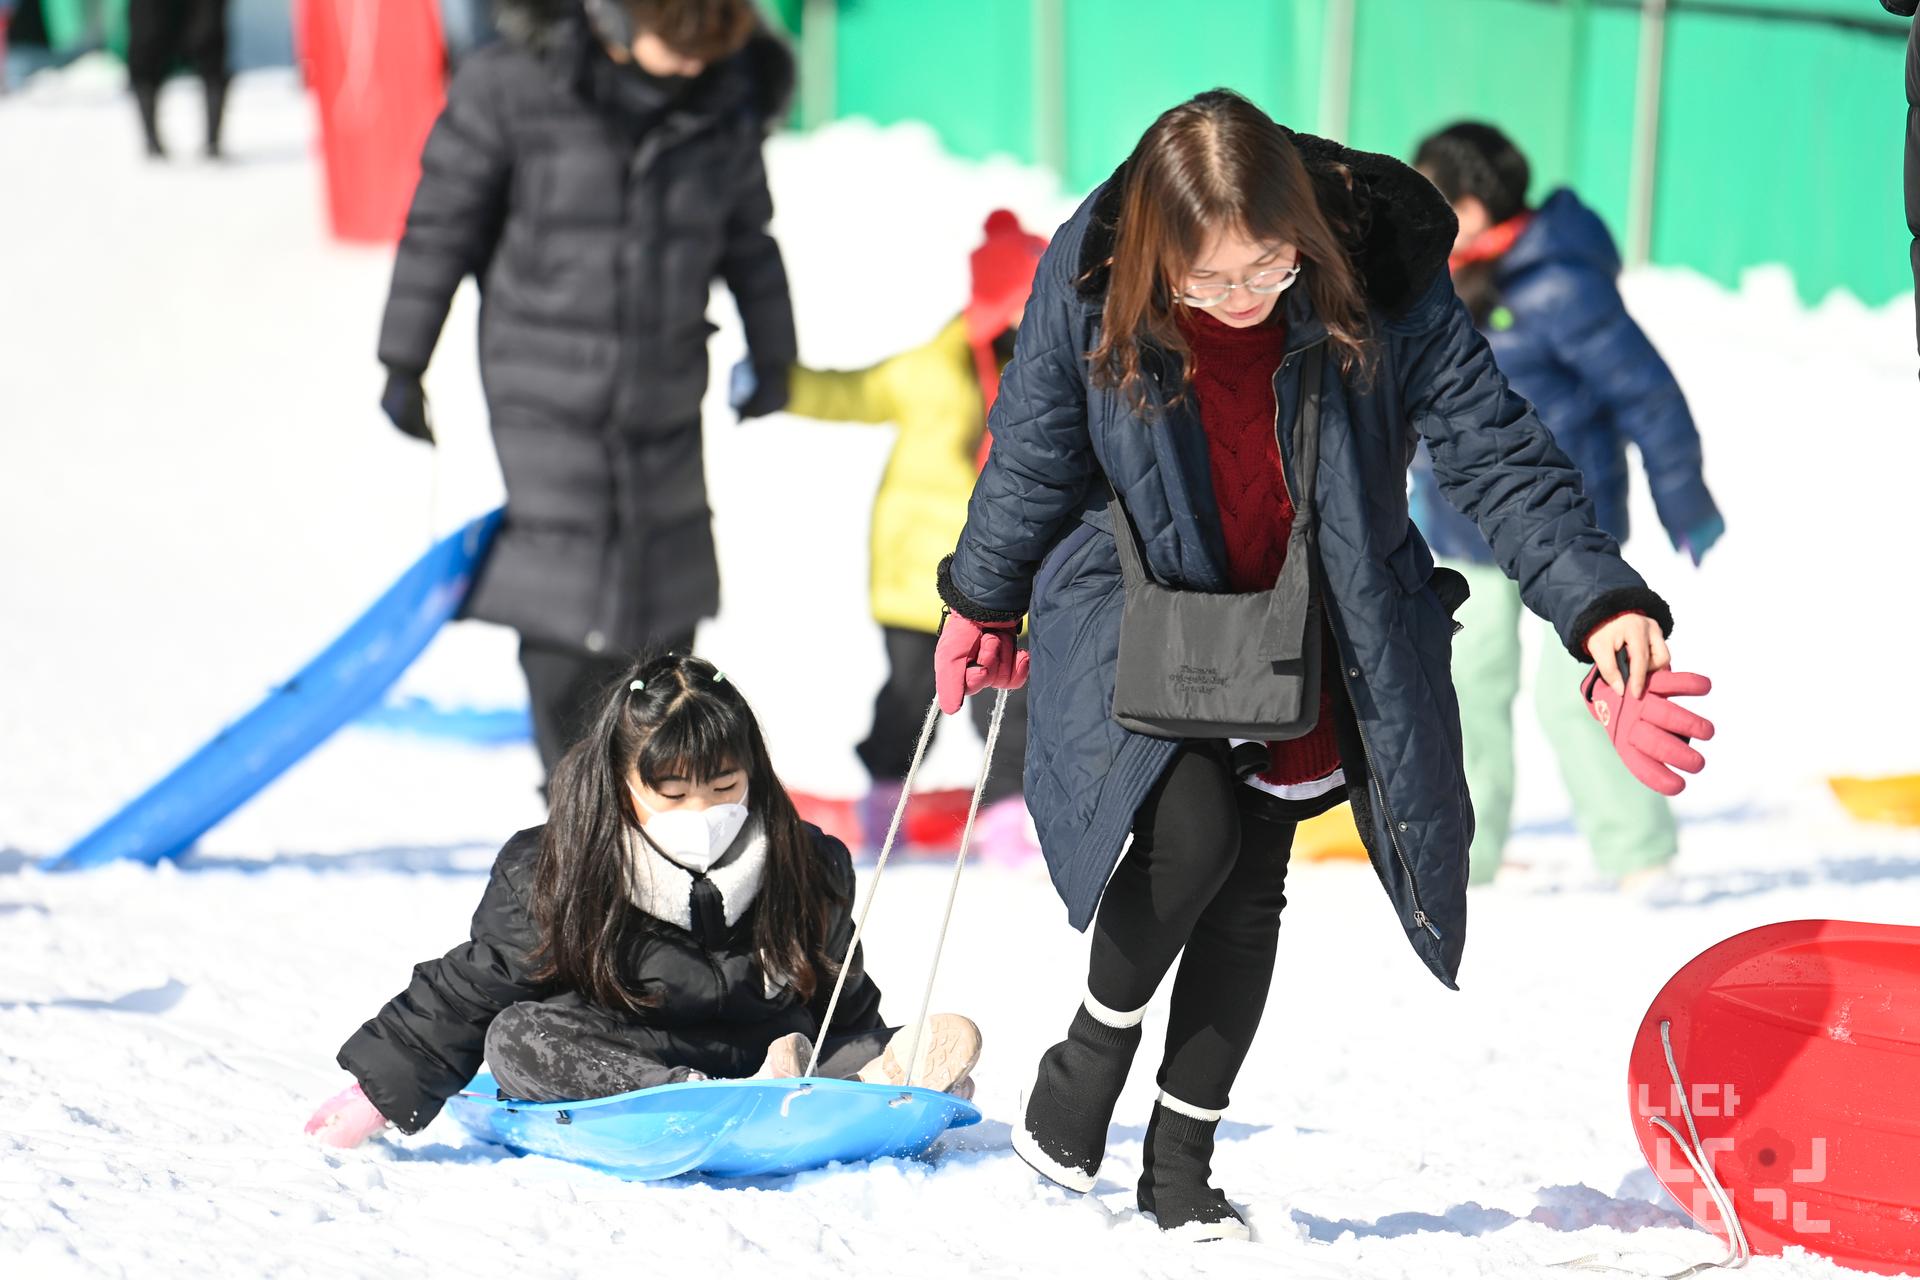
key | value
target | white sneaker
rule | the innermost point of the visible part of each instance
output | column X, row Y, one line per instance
column 949, row 1048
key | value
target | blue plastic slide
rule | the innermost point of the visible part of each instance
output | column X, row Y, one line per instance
column 349, row 676
column 718, row 1128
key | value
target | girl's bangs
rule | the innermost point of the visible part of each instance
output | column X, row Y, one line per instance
column 698, row 741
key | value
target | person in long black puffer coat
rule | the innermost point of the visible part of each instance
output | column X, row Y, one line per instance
column 596, row 169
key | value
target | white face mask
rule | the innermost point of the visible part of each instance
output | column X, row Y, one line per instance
column 694, row 838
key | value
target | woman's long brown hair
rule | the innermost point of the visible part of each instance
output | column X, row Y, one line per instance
column 1217, row 163
column 685, row 721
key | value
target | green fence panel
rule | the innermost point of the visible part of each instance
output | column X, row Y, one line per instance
column 1780, row 142
column 1780, row 128
column 1600, row 160
column 79, row 24
column 785, row 14
column 1129, row 60
column 964, row 66
column 1511, row 63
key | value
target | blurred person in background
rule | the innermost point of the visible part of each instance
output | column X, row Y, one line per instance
column 6, row 18
column 467, row 25
column 938, row 395
column 1906, row 9
column 1541, row 286
column 596, row 169
column 162, row 33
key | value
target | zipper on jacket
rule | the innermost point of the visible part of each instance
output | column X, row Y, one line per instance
column 1279, row 442
column 1287, row 479
column 1374, row 780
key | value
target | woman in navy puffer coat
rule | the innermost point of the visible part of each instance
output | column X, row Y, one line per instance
column 1222, row 219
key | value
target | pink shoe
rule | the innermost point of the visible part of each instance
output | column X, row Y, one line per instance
column 1004, row 834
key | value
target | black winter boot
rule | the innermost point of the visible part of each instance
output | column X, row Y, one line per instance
column 147, row 97
column 216, row 117
column 1174, row 1185
column 1063, row 1125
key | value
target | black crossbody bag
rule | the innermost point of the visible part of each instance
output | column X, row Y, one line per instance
column 1201, row 664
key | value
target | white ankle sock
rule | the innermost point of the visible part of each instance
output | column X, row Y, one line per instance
column 1178, row 1107
column 1114, row 1017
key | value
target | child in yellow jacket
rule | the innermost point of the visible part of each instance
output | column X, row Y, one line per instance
column 937, row 395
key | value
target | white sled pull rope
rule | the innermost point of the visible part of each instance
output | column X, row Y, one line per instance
column 953, row 889
column 1738, row 1251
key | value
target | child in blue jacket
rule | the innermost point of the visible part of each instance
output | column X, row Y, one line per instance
column 1541, row 285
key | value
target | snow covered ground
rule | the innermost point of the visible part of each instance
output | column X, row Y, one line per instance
column 197, row 491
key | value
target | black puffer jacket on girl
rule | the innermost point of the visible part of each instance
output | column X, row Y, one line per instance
column 716, row 1007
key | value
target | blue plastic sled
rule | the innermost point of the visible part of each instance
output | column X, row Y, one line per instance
column 349, row 676
column 718, row 1128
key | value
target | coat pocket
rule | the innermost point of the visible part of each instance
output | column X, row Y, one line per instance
column 1413, row 568
column 1411, row 562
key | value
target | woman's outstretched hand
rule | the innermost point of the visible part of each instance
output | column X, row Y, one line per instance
column 1653, row 734
column 970, row 656
column 347, row 1119
column 1646, row 650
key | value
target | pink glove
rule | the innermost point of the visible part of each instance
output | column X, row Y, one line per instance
column 971, row 656
column 346, row 1119
column 1649, row 732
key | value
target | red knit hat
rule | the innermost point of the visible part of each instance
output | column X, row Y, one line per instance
column 1002, row 280
column 1002, row 275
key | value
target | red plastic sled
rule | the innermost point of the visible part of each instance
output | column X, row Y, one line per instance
column 1797, row 1049
column 378, row 73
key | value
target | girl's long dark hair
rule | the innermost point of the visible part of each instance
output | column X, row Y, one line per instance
column 688, row 721
column 1218, row 163
column 1478, row 160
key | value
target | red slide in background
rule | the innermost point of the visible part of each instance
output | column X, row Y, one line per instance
column 377, row 69
column 934, row 821
column 1797, row 1047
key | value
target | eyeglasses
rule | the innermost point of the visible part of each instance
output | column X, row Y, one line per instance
column 1263, row 283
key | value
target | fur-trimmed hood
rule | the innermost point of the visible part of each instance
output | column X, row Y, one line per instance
column 1401, row 227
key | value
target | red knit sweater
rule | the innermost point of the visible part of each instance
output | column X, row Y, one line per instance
column 1233, row 373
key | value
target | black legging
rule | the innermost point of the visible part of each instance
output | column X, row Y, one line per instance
column 564, row 1049
column 1207, row 872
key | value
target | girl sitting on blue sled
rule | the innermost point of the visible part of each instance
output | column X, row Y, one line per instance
column 674, row 920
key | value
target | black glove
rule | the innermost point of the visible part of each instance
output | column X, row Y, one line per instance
column 405, row 403
column 758, row 390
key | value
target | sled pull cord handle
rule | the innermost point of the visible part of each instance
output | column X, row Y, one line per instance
column 1738, row 1251
column 886, row 852
column 953, row 888
column 879, row 869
